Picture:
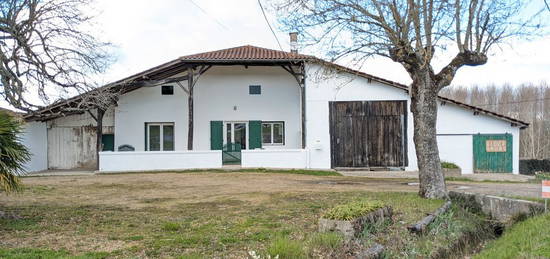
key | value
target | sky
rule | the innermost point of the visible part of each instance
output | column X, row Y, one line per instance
column 147, row 33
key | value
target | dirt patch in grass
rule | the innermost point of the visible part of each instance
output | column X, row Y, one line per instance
column 170, row 189
column 215, row 214
column 164, row 215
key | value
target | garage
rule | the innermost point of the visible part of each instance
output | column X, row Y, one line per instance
column 368, row 134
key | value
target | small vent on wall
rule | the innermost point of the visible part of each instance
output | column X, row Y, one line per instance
column 255, row 89
column 167, row 90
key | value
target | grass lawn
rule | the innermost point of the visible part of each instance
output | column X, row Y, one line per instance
column 526, row 239
column 200, row 215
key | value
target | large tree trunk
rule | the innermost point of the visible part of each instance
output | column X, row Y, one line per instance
column 99, row 134
column 424, row 109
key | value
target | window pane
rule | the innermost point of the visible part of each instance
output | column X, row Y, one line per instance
column 278, row 132
column 240, row 134
column 168, row 138
column 266, row 133
column 228, row 134
column 154, row 138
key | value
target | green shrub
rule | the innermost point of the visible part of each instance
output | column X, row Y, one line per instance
column 449, row 165
column 171, row 226
column 353, row 210
column 286, row 248
column 13, row 154
column 543, row 176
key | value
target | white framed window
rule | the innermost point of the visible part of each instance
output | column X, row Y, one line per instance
column 159, row 136
column 273, row 133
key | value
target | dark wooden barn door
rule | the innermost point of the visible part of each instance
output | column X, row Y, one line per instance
column 368, row 134
column 348, row 134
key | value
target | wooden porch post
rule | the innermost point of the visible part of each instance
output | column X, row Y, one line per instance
column 190, row 108
column 300, row 77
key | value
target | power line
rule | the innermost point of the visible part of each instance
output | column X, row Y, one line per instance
column 207, row 14
column 524, row 101
column 269, row 25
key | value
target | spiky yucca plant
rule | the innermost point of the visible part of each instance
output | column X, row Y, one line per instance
column 13, row 154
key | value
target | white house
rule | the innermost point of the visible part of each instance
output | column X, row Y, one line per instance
column 265, row 108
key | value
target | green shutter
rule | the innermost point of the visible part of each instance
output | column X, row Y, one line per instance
column 255, row 135
column 216, row 135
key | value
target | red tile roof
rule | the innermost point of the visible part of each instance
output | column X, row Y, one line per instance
column 246, row 53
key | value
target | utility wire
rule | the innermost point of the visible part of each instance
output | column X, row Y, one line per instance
column 524, row 101
column 269, row 25
column 207, row 14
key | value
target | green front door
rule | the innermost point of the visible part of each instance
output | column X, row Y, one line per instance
column 108, row 141
column 493, row 153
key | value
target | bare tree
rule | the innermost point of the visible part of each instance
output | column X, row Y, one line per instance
column 411, row 33
column 46, row 49
column 96, row 103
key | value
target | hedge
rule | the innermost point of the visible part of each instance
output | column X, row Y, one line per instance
column 530, row 166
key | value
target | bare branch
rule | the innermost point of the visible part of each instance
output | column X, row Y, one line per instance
column 46, row 49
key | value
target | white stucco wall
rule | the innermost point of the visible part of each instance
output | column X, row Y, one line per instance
column 156, row 160
column 35, row 139
column 283, row 158
column 323, row 86
column 222, row 93
column 455, row 120
column 458, row 150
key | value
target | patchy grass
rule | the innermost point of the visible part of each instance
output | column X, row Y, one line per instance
column 443, row 234
column 24, row 253
column 284, row 247
column 198, row 216
column 466, row 179
column 171, row 226
column 353, row 209
column 526, row 239
column 275, row 224
column 323, row 242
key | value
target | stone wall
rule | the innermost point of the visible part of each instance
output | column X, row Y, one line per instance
column 499, row 208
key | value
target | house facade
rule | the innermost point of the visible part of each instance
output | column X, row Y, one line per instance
column 256, row 107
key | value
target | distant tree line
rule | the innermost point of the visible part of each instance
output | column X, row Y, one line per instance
column 527, row 102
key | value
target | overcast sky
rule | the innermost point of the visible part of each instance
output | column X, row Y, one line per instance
column 147, row 33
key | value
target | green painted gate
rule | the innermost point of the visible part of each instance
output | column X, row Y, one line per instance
column 493, row 153
column 231, row 152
